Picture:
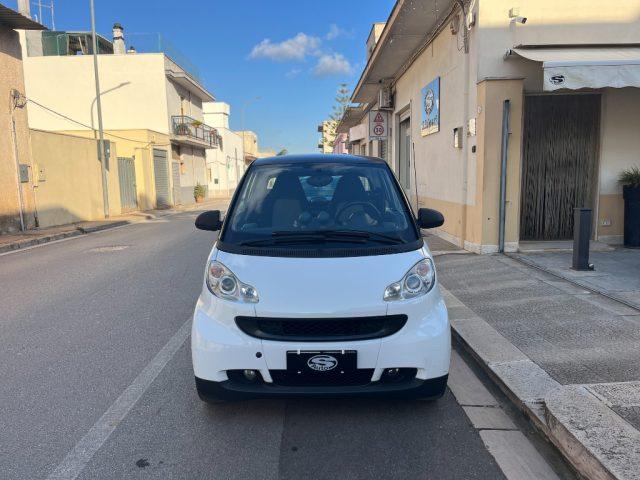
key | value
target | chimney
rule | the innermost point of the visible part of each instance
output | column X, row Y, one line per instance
column 118, row 39
column 24, row 8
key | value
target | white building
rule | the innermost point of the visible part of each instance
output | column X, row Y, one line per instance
column 225, row 165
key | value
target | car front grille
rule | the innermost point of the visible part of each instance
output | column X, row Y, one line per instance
column 321, row 329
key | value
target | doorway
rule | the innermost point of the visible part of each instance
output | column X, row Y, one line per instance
column 161, row 176
column 404, row 154
column 559, row 163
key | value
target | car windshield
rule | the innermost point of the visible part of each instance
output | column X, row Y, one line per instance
column 324, row 204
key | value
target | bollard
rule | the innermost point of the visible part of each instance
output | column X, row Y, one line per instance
column 581, row 238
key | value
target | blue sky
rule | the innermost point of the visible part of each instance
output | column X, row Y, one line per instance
column 290, row 53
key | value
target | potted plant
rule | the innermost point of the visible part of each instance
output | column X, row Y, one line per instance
column 199, row 192
column 630, row 180
column 182, row 129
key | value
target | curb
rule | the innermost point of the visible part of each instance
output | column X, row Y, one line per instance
column 598, row 443
column 38, row 241
column 30, row 242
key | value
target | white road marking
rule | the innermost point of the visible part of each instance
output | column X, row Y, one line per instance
column 78, row 458
column 515, row 454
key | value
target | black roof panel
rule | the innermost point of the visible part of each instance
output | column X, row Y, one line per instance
column 318, row 158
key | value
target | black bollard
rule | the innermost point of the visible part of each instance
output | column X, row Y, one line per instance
column 581, row 237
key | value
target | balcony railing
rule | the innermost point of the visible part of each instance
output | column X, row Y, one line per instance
column 190, row 127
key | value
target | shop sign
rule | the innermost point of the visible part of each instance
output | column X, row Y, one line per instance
column 431, row 108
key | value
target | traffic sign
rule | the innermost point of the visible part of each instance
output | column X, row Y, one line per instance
column 378, row 125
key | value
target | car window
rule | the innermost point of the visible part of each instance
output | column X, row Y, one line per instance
column 319, row 198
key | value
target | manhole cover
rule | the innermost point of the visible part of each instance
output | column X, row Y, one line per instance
column 109, row 248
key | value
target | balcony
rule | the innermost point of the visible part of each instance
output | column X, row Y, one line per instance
column 193, row 132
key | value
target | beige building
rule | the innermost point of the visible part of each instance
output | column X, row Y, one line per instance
column 555, row 83
column 151, row 108
column 251, row 148
column 327, row 131
column 17, row 196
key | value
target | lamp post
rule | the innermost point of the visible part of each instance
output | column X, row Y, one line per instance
column 102, row 151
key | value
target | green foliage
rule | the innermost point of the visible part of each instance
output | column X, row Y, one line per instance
column 199, row 191
column 630, row 176
column 282, row 152
column 343, row 98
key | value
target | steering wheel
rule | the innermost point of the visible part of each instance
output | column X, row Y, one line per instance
column 348, row 211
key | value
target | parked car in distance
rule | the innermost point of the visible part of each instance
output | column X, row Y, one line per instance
column 320, row 284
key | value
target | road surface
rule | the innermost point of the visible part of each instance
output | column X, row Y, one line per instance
column 97, row 384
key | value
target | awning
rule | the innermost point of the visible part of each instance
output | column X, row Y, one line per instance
column 576, row 68
column 12, row 19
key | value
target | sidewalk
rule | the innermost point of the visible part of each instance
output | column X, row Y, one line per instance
column 34, row 237
column 616, row 273
column 568, row 357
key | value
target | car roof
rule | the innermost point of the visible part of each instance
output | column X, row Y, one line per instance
column 318, row 158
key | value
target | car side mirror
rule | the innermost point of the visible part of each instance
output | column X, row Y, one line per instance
column 428, row 218
column 209, row 220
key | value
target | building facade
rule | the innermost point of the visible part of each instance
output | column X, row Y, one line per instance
column 505, row 118
column 327, row 131
column 151, row 108
column 17, row 195
column 225, row 165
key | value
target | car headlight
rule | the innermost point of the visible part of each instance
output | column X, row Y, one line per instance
column 417, row 281
column 224, row 284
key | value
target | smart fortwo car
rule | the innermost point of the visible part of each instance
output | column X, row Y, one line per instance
column 320, row 284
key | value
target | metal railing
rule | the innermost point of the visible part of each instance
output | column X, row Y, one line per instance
column 190, row 127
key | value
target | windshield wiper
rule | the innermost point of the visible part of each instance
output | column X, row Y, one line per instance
column 347, row 236
column 362, row 234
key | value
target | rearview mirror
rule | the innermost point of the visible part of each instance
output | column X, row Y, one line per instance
column 209, row 220
column 428, row 218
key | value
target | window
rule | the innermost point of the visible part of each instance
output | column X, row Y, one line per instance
column 319, row 198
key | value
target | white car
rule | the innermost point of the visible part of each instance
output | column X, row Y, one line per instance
column 320, row 284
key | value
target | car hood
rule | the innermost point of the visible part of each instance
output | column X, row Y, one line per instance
column 317, row 287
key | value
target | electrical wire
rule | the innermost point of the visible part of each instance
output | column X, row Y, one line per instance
column 66, row 117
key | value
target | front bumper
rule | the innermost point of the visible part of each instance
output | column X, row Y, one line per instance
column 424, row 344
column 230, row 390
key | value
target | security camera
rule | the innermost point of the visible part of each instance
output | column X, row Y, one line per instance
column 521, row 20
column 514, row 15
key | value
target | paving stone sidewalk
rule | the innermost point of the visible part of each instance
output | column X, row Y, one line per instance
column 570, row 357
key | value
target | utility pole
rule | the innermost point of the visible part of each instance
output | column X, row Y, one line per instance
column 102, row 151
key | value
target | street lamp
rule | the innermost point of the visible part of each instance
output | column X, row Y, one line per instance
column 102, row 151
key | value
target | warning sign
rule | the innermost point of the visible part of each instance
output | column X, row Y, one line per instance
column 378, row 125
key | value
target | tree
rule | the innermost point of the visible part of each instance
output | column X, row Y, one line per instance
column 342, row 101
column 284, row 151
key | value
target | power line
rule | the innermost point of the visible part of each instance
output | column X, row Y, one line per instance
column 66, row 117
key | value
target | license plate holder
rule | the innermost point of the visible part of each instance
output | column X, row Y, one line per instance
column 322, row 362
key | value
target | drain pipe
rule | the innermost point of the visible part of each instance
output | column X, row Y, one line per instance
column 506, row 110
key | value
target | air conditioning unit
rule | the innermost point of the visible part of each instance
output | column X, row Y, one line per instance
column 385, row 99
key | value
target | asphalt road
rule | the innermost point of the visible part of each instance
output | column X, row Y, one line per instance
column 82, row 321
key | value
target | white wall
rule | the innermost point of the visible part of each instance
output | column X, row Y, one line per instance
column 620, row 147
column 226, row 164
column 133, row 92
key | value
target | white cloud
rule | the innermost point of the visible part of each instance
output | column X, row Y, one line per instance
column 294, row 72
column 332, row 64
column 296, row 48
column 335, row 31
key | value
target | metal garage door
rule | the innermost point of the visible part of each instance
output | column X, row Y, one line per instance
column 559, row 164
column 127, row 177
column 161, row 173
column 175, row 173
